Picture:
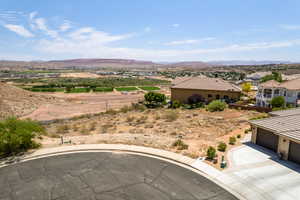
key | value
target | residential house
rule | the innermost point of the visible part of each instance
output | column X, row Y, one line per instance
column 290, row 90
column 192, row 89
column 280, row 133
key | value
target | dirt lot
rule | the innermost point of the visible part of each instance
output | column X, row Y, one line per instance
column 158, row 128
column 72, row 105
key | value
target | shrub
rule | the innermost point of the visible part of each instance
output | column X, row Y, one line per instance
column 170, row 116
column 238, row 136
column 180, row 145
column 278, row 102
column 211, row 153
column 154, row 99
column 222, row 147
column 175, row 104
column 138, row 107
column 17, row 135
column 232, row 140
column 216, row 105
column 62, row 128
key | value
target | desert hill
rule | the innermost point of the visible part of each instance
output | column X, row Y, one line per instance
column 18, row 102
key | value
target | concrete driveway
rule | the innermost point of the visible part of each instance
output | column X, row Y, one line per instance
column 264, row 176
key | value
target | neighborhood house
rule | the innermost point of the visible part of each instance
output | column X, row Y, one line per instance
column 204, row 89
column 280, row 133
column 290, row 90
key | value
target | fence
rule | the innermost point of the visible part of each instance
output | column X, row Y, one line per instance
column 245, row 107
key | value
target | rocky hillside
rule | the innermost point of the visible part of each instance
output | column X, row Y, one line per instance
column 18, row 102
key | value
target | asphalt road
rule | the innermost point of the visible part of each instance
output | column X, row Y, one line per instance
column 105, row 176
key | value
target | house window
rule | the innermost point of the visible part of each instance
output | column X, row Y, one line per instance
column 284, row 94
column 209, row 96
column 217, row 96
column 267, row 93
column 290, row 94
column 276, row 92
column 226, row 97
column 298, row 95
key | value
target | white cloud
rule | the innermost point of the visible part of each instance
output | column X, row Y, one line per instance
column 65, row 26
column 175, row 25
column 19, row 29
column 32, row 15
column 41, row 24
column 184, row 42
column 290, row 27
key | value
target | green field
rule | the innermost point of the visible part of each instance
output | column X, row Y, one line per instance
column 149, row 88
column 103, row 89
column 78, row 90
column 45, row 89
column 126, row 89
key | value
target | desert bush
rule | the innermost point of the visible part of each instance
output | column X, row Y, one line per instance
column 180, row 145
column 211, row 153
column 138, row 107
column 154, row 99
column 261, row 116
column 247, row 130
column 232, row 140
column 62, row 128
column 238, row 136
column 125, row 109
column 149, row 126
column 175, row 104
column 142, row 119
column 92, row 126
column 111, row 112
column 170, row 116
column 216, row 105
column 130, row 118
column 222, row 147
column 17, row 135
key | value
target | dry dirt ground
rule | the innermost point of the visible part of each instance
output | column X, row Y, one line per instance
column 72, row 105
column 18, row 102
column 158, row 128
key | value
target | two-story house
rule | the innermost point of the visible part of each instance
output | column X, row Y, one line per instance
column 290, row 90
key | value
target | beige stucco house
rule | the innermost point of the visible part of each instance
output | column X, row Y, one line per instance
column 279, row 133
column 204, row 88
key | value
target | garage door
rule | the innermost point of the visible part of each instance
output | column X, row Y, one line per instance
column 294, row 152
column 267, row 139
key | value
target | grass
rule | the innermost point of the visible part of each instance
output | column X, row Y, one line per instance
column 126, row 89
column 103, row 89
column 45, row 89
column 149, row 88
column 79, row 90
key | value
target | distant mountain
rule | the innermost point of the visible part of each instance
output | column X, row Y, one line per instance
column 247, row 62
column 101, row 61
column 190, row 64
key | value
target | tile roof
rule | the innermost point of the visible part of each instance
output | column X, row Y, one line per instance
column 205, row 83
column 271, row 83
column 294, row 111
column 282, row 125
column 290, row 85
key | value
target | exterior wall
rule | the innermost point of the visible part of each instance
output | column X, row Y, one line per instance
column 291, row 97
column 182, row 95
column 283, row 147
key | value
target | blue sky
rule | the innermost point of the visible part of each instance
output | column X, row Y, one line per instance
column 157, row 30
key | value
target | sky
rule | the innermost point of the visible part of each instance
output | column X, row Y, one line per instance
column 156, row 30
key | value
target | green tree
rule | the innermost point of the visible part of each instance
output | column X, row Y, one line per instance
column 216, row 105
column 17, row 135
column 246, row 87
column 154, row 99
column 278, row 102
column 274, row 76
